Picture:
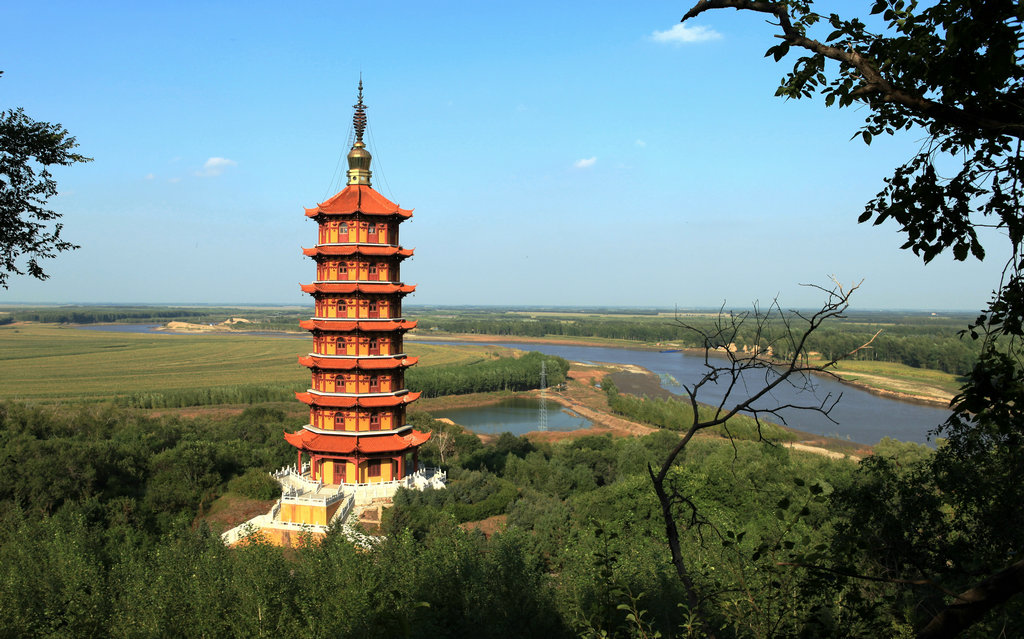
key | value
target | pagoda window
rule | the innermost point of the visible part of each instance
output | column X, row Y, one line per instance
column 343, row 269
column 343, row 229
column 339, row 421
column 373, row 271
column 374, row 385
column 375, row 421
column 374, row 309
column 373, row 468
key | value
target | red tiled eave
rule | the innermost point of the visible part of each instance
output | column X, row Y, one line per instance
column 361, row 401
column 352, row 287
column 351, row 363
column 345, row 325
column 357, row 249
column 347, row 444
column 358, row 198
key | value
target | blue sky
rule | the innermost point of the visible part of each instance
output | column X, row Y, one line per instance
column 554, row 153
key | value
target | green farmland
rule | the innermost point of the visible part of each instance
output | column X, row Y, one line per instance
column 50, row 363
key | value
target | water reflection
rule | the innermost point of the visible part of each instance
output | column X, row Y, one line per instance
column 517, row 415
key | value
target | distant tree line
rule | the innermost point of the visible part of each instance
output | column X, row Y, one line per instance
column 100, row 316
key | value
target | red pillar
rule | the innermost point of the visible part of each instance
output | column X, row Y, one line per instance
column 299, row 467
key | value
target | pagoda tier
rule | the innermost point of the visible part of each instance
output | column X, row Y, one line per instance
column 357, row 344
column 359, row 269
column 353, row 420
column 391, row 380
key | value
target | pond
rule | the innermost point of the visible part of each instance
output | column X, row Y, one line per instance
column 517, row 415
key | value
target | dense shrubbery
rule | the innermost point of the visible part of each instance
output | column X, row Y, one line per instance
column 239, row 394
column 156, row 469
column 255, row 484
column 502, row 374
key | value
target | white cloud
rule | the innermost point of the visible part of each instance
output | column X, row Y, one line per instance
column 684, row 34
column 215, row 166
column 585, row 163
column 640, row 143
column 150, row 176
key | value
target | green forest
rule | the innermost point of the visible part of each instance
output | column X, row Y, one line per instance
column 102, row 535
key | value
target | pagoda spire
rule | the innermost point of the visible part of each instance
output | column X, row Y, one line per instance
column 359, row 158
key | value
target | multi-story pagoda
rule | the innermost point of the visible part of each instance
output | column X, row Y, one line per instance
column 357, row 443
column 357, row 432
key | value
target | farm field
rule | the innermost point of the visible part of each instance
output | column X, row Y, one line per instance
column 51, row 363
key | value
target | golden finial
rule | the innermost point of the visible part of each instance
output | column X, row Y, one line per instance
column 359, row 158
column 359, row 118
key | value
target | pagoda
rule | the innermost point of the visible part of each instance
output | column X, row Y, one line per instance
column 357, row 446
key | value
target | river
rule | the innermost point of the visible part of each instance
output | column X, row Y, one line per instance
column 859, row 416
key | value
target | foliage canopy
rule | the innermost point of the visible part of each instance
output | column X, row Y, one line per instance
column 27, row 149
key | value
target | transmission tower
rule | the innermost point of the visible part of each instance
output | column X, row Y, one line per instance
column 543, row 416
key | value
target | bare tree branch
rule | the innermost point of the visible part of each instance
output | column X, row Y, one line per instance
column 971, row 605
column 731, row 373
